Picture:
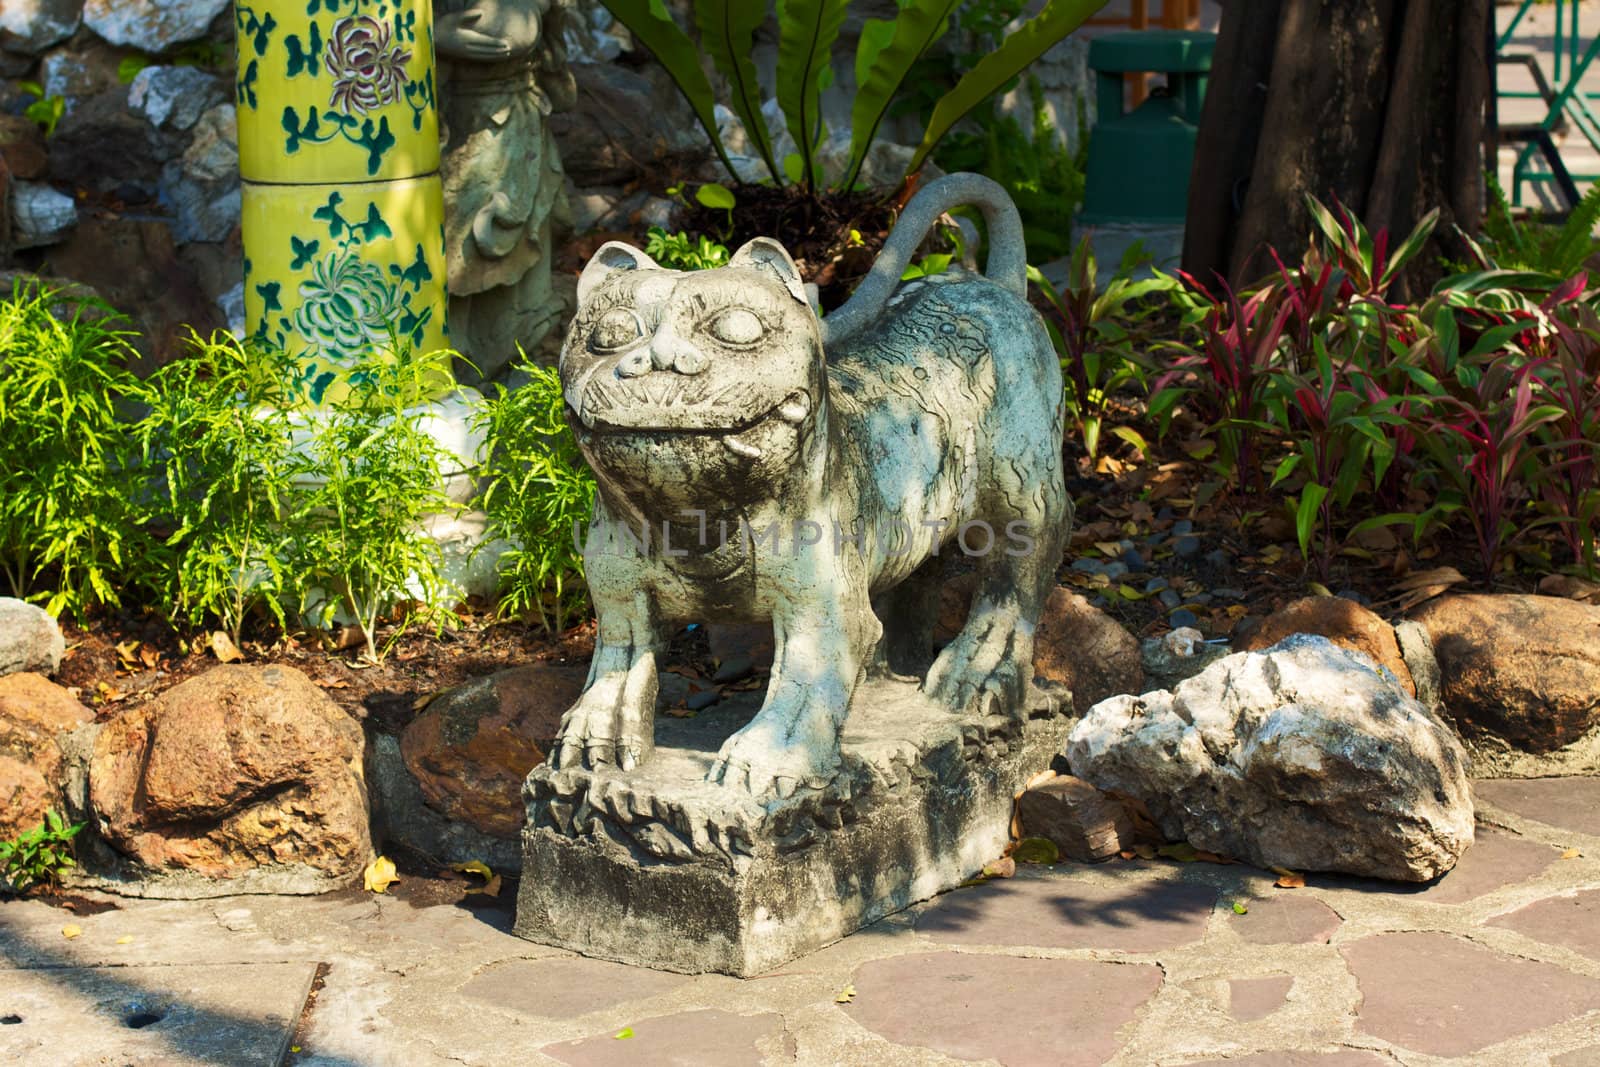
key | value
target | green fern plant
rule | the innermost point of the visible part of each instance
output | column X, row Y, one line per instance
column 1560, row 249
column 71, row 500
column 539, row 493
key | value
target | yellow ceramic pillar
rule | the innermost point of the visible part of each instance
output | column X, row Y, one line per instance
column 343, row 211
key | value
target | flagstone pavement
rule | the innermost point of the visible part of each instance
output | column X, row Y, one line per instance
column 1126, row 963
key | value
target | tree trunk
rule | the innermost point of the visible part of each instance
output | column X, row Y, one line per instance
column 1378, row 103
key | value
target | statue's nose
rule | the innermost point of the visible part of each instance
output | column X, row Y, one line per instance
column 668, row 351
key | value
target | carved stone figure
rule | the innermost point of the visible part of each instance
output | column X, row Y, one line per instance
column 755, row 462
column 503, row 183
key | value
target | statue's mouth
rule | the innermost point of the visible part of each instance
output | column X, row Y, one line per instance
column 738, row 435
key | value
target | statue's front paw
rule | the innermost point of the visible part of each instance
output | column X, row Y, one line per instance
column 612, row 723
column 982, row 670
column 770, row 758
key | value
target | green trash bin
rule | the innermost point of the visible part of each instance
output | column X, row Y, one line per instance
column 1139, row 161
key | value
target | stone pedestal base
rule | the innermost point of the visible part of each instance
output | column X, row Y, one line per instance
column 659, row 868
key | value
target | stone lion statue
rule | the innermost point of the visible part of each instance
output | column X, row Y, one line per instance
column 756, row 462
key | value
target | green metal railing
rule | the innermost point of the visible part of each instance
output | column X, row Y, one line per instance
column 1567, row 104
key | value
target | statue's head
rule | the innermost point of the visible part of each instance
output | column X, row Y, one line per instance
column 694, row 382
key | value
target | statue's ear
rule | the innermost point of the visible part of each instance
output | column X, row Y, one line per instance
column 765, row 254
column 613, row 256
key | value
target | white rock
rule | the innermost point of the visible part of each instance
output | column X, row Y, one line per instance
column 40, row 215
column 1301, row 756
column 38, row 24
column 151, row 25
column 30, row 640
column 174, row 97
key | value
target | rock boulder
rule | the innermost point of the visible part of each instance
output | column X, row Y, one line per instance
column 151, row 25
column 30, row 640
column 242, row 779
column 1524, row 669
column 472, row 747
column 31, row 26
column 1086, row 650
column 34, row 714
column 1086, row 824
column 1076, row 644
column 1300, row 756
column 1344, row 622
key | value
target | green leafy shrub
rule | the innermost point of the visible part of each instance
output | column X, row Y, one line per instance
column 1099, row 335
column 71, row 522
column 39, row 856
column 807, row 32
column 375, row 477
column 1479, row 406
column 539, row 493
column 220, row 433
column 1559, row 249
column 679, row 251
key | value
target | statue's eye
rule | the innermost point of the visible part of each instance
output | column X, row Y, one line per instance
column 617, row 328
column 737, row 326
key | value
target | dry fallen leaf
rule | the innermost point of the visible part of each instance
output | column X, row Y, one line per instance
column 128, row 653
column 349, row 637
column 1571, row 854
column 71, row 930
column 380, row 875
column 423, row 701
column 1425, row 585
column 333, row 683
column 1565, row 585
column 1004, row 867
column 1288, row 879
column 846, row 995
column 223, row 648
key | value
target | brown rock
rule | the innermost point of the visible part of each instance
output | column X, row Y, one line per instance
column 471, row 748
column 1076, row 645
column 237, row 769
column 1342, row 621
column 134, row 265
column 1086, row 824
column 22, row 147
column 34, row 712
column 955, row 601
column 1522, row 668
column 1086, row 650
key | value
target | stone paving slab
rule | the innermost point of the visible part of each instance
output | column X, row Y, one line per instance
column 242, row 1015
column 1129, row 963
column 1567, row 803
